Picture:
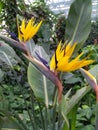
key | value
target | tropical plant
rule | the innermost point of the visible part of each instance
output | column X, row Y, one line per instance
column 49, row 108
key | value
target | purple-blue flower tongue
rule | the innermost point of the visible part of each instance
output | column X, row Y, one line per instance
column 13, row 35
column 42, row 60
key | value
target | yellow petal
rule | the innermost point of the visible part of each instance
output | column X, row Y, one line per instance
column 84, row 63
column 38, row 25
column 33, row 30
column 23, row 25
column 19, row 31
column 26, row 32
column 53, row 63
column 29, row 25
column 74, row 65
column 70, row 49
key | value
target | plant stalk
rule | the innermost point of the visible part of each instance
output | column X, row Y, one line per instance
column 96, row 125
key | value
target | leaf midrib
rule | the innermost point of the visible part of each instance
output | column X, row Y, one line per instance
column 77, row 25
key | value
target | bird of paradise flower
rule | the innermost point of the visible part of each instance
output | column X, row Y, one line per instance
column 61, row 61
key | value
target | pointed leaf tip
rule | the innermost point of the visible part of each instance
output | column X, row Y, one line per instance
column 89, row 77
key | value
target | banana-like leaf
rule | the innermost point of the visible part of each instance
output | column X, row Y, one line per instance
column 41, row 86
column 40, row 61
column 79, row 21
column 69, row 103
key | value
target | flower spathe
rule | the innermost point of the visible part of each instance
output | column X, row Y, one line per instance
column 27, row 30
column 62, row 59
column 91, row 80
column 89, row 77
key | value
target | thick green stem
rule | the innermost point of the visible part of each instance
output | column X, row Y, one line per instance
column 42, row 117
column 96, row 125
column 73, row 120
column 54, row 108
column 46, row 92
column 32, row 119
column 59, row 117
column 46, row 120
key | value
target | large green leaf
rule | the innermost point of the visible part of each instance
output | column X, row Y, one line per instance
column 69, row 103
column 79, row 21
column 41, row 86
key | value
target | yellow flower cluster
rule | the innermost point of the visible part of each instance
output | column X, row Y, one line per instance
column 27, row 30
column 61, row 60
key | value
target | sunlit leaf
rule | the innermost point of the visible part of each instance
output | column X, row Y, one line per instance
column 38, row 81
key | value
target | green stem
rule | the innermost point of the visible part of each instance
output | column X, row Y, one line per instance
column 32, row 99
column 45, row 119
column 59, row 109
column 45, row 91
column 32, row 119
column 49, row 119
column 22, row 125
column 96, row 125
column 73, row 117
column 54, row 108
column 59, row 117
column 42, row 117
column 54, row 118
column 47, row 112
